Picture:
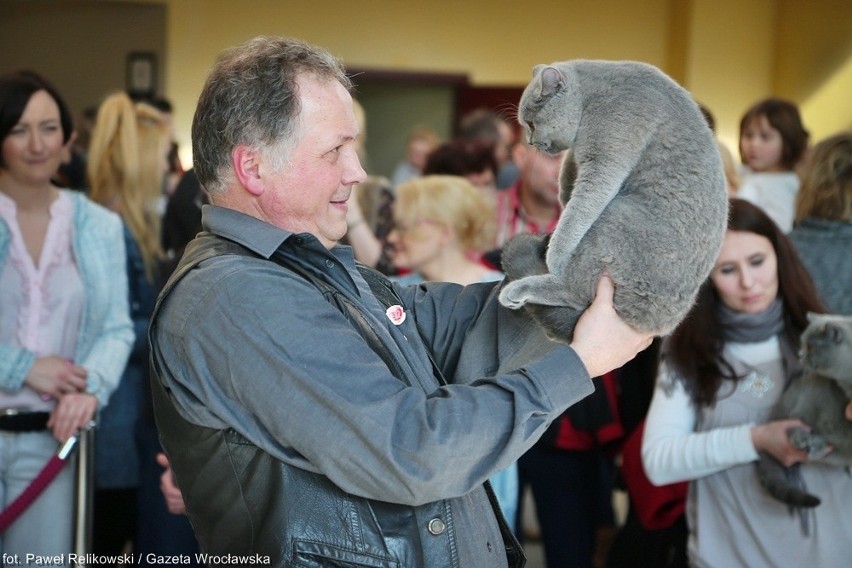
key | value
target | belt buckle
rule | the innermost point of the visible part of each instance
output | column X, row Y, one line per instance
column 15, row 410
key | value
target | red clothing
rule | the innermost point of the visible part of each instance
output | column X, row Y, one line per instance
column 591, row 423
column 511, row 218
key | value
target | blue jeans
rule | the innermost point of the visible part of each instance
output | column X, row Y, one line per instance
column 506, row 489
column 46, row 527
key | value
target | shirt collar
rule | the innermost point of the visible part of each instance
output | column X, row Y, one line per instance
column 258, row 236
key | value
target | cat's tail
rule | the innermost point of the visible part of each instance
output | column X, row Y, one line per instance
column 784, row 483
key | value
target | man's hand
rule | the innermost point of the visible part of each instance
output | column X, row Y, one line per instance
column 602, row 340
column 171, row 492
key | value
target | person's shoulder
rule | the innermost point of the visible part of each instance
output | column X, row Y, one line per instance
column 90, row 210
column 94, row 218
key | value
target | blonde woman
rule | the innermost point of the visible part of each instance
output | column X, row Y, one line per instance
column 126, row 166
column 442, row 224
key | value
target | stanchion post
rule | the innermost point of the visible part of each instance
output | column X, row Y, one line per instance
column 84, row 494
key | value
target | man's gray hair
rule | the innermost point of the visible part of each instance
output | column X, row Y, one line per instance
column 251, row 98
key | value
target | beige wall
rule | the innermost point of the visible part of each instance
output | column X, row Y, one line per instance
column 727, row 52
column 80, row 45
column 729, row 58
column 813, row 65
column 494, row 43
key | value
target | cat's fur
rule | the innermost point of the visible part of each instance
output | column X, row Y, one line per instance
column 818, row 398
column 644, row 195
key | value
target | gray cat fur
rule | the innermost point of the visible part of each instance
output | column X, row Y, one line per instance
column 643, row 192
column 819, row 399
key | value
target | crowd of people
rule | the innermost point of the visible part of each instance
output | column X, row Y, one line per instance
column 373, row 404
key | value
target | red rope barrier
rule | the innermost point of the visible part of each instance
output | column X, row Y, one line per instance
column 44, row 478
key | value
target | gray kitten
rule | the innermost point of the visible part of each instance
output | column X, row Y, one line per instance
column 644, row 195
column 818, row 399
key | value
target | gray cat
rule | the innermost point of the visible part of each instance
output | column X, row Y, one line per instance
column 643, row 192
column 818, row 399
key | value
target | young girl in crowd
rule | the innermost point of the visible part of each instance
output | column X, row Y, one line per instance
column 65, row 332
column 126, row 168
column 772, row 143
column 722, row 371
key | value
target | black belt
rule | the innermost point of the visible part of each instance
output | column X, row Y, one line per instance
column 24, row 421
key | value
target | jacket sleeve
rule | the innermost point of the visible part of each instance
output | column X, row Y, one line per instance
column 301, row 383
column 15, row 363
column 106, row 334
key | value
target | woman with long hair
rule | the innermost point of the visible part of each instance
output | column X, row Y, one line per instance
column 126, row 168
column 722, row 371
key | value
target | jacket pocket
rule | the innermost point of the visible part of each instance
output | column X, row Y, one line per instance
column 307, row 554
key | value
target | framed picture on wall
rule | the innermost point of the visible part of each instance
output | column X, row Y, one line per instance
column 141, row 73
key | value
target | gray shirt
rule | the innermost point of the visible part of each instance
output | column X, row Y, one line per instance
column 247, row 344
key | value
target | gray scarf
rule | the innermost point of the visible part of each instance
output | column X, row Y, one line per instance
column 739, row 327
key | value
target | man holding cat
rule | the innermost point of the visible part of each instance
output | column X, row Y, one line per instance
column 301, row 399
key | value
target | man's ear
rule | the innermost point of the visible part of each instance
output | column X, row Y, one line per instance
column 246, row 163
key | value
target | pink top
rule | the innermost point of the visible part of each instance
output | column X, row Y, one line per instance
column 40, row 306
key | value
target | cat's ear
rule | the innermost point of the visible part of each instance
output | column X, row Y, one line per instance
column 552, row 81
column 834, row 333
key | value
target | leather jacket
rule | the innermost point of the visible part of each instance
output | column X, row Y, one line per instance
column 243, row 502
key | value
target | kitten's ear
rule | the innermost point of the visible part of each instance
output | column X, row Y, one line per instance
column 551, row 81
column 834, row 333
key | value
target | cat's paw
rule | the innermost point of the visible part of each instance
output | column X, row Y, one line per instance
column 814, row 444
column 513, row 295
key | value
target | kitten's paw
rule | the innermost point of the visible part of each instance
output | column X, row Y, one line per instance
column 814, row 444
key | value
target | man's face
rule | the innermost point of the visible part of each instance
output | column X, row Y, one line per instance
column 540, row 174
column 309, row 194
